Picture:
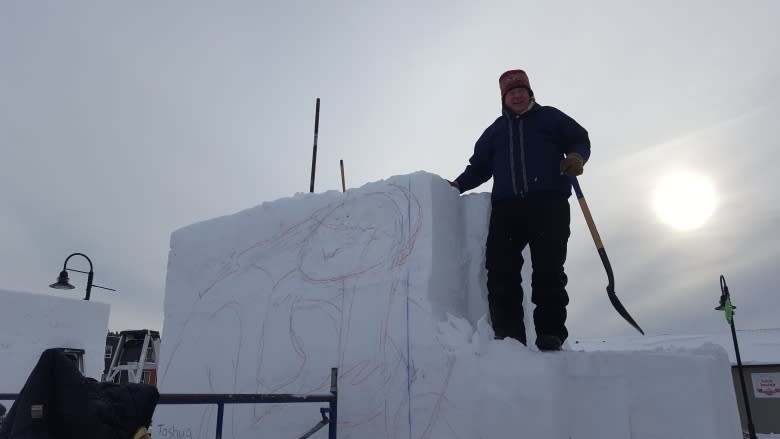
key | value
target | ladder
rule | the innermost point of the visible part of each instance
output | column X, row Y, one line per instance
column 134, row 369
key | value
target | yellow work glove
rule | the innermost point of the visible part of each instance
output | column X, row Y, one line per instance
column 142, row 433
column 572, row 164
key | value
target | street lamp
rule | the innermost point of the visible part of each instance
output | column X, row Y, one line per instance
column 63, row 281
column 726, row 306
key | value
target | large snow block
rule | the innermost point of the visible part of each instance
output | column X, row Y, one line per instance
column 385, row 282
column 269, row 299
column 31, row 323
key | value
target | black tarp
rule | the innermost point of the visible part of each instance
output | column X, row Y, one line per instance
column 58, row 402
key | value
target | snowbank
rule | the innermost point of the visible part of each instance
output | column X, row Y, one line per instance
column 756, row 346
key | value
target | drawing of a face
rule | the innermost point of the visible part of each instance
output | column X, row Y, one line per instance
column 284, row 308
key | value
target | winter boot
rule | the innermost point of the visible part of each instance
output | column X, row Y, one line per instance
column 548, row 343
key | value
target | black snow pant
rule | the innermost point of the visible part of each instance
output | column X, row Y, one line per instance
column 540, row 221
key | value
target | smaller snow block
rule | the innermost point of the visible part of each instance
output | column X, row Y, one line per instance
column 58, row 402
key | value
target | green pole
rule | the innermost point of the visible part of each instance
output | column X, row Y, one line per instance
column 726, row 306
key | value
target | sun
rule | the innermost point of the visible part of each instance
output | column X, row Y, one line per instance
column 685, row 200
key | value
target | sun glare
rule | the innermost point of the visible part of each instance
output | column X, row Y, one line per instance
column 684, row 201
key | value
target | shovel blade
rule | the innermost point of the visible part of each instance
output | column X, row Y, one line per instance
column 622, row 311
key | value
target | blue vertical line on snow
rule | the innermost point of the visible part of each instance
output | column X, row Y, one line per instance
column 408, row 338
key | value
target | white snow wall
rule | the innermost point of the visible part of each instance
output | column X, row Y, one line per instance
column 386, row 283
column 31, row 323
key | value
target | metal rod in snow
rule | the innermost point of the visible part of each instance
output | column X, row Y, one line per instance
column 343, row 184
column 314, row 150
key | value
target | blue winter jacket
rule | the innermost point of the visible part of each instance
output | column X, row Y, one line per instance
column 523, row 153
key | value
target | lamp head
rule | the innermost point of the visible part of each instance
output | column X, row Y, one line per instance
column 63, row 282
column 725, row 303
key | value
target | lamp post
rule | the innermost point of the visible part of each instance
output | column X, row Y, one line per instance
column 63, row 281
column 726, row 306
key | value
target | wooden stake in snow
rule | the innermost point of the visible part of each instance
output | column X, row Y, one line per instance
column 343, row 185
column 314, row 150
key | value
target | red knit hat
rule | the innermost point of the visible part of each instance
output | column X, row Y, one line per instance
column 513, row 79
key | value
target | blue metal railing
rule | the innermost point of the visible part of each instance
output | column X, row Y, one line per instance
column 329, row 414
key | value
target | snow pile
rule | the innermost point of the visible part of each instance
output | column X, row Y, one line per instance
column 386, row 283
column 32, row 323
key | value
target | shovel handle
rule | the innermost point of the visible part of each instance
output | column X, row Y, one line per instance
column 586, row 212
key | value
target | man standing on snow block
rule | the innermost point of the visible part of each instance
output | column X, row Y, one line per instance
column 527, row 151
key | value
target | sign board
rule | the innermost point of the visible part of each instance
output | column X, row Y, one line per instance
column 766, row 385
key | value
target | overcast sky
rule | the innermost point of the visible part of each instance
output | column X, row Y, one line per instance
column 121, row 122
